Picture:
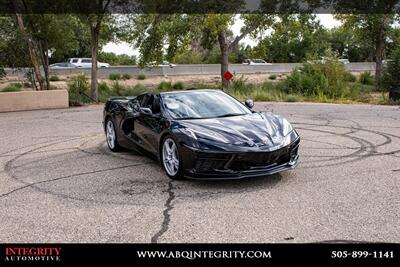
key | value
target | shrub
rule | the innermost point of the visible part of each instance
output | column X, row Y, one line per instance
column 293, row 98
column 118, row 89
column 78, row 90
column 239, row 84
column 324, row 80
column 104, row 92
column 164, row 86
column 141, row 77
column 2, row 73
column 350, row 77
column 136, row 90
column 272, row 77
column 114, row 76
column 178, row 86
column 12, row 87
column 391, row 77
column 126, row 76
column 54, row 78
column 366, row 78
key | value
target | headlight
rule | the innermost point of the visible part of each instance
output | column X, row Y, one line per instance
column 205, row 134
column 287, row 127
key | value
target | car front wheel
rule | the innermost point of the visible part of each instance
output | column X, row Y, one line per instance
column 111, row 137
column 171, row 159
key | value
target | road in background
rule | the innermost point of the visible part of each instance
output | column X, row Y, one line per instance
column 60, row 183
column 195, row 69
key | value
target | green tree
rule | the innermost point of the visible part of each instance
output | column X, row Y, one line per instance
column 293, row 39
column 115, row 59
column 99, row 24
column 372, row 29
column 159, row 34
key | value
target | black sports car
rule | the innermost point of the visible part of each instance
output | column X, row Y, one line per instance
column 202, row 134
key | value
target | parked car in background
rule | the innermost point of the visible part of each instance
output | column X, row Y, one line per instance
column 86, row 63
column 255, row 62
column 344, row 61
column 62, row 66
column 386, row 61
column 164, row 63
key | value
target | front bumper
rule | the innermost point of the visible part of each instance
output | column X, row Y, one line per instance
column 237, row 165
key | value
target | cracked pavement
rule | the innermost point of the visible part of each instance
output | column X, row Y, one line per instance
column 59, row 183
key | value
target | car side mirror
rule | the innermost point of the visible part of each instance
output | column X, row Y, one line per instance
column 249, row 103
column 146, row 111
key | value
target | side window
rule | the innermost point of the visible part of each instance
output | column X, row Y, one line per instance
column 75, row 60
column 86, row 61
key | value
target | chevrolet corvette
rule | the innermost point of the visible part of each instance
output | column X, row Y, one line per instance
column 202, row 134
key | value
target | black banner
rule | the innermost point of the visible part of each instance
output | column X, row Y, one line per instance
column 199, row 6
column 348, row 255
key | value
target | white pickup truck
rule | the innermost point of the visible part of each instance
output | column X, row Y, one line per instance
column 86, row 63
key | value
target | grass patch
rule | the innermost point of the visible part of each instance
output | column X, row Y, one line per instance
column 126, row 76
column 136, row 90
column 12, row 87
column 114, row 76
column 54, row 78
column 178, row 86
column 164, row 86
column 366, row 78
column 350, row 77
column 78, row 90
column 141, row 77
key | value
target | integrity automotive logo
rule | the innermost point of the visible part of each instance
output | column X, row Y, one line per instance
column 31, row 254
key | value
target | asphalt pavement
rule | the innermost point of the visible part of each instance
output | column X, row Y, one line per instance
column 60, row 183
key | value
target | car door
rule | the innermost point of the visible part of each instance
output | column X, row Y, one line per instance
column 148, row 128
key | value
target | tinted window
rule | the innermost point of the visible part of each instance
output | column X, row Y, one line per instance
column 202, row 104
column 75, row 60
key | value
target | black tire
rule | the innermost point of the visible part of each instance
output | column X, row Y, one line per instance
column 176, row 174
column 112, row 142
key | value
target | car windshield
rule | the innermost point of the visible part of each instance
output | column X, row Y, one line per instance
column 202, row 105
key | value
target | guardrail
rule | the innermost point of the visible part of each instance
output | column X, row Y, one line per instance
column 194, row 69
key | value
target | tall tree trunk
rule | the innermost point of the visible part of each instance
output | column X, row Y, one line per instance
column 94, row 31
column 32, row 51
column 224, row 47
column 44, row 48
column 380, row 50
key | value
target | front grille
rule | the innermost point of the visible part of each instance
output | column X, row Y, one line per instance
column 207, row 162
column 257, row 160
column 205, row 165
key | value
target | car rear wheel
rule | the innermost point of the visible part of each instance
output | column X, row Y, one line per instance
column 171, row 159
column 111, row 137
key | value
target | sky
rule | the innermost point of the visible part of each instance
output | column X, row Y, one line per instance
column 327, row 20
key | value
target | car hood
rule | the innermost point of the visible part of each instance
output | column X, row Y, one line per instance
column 256, row 130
